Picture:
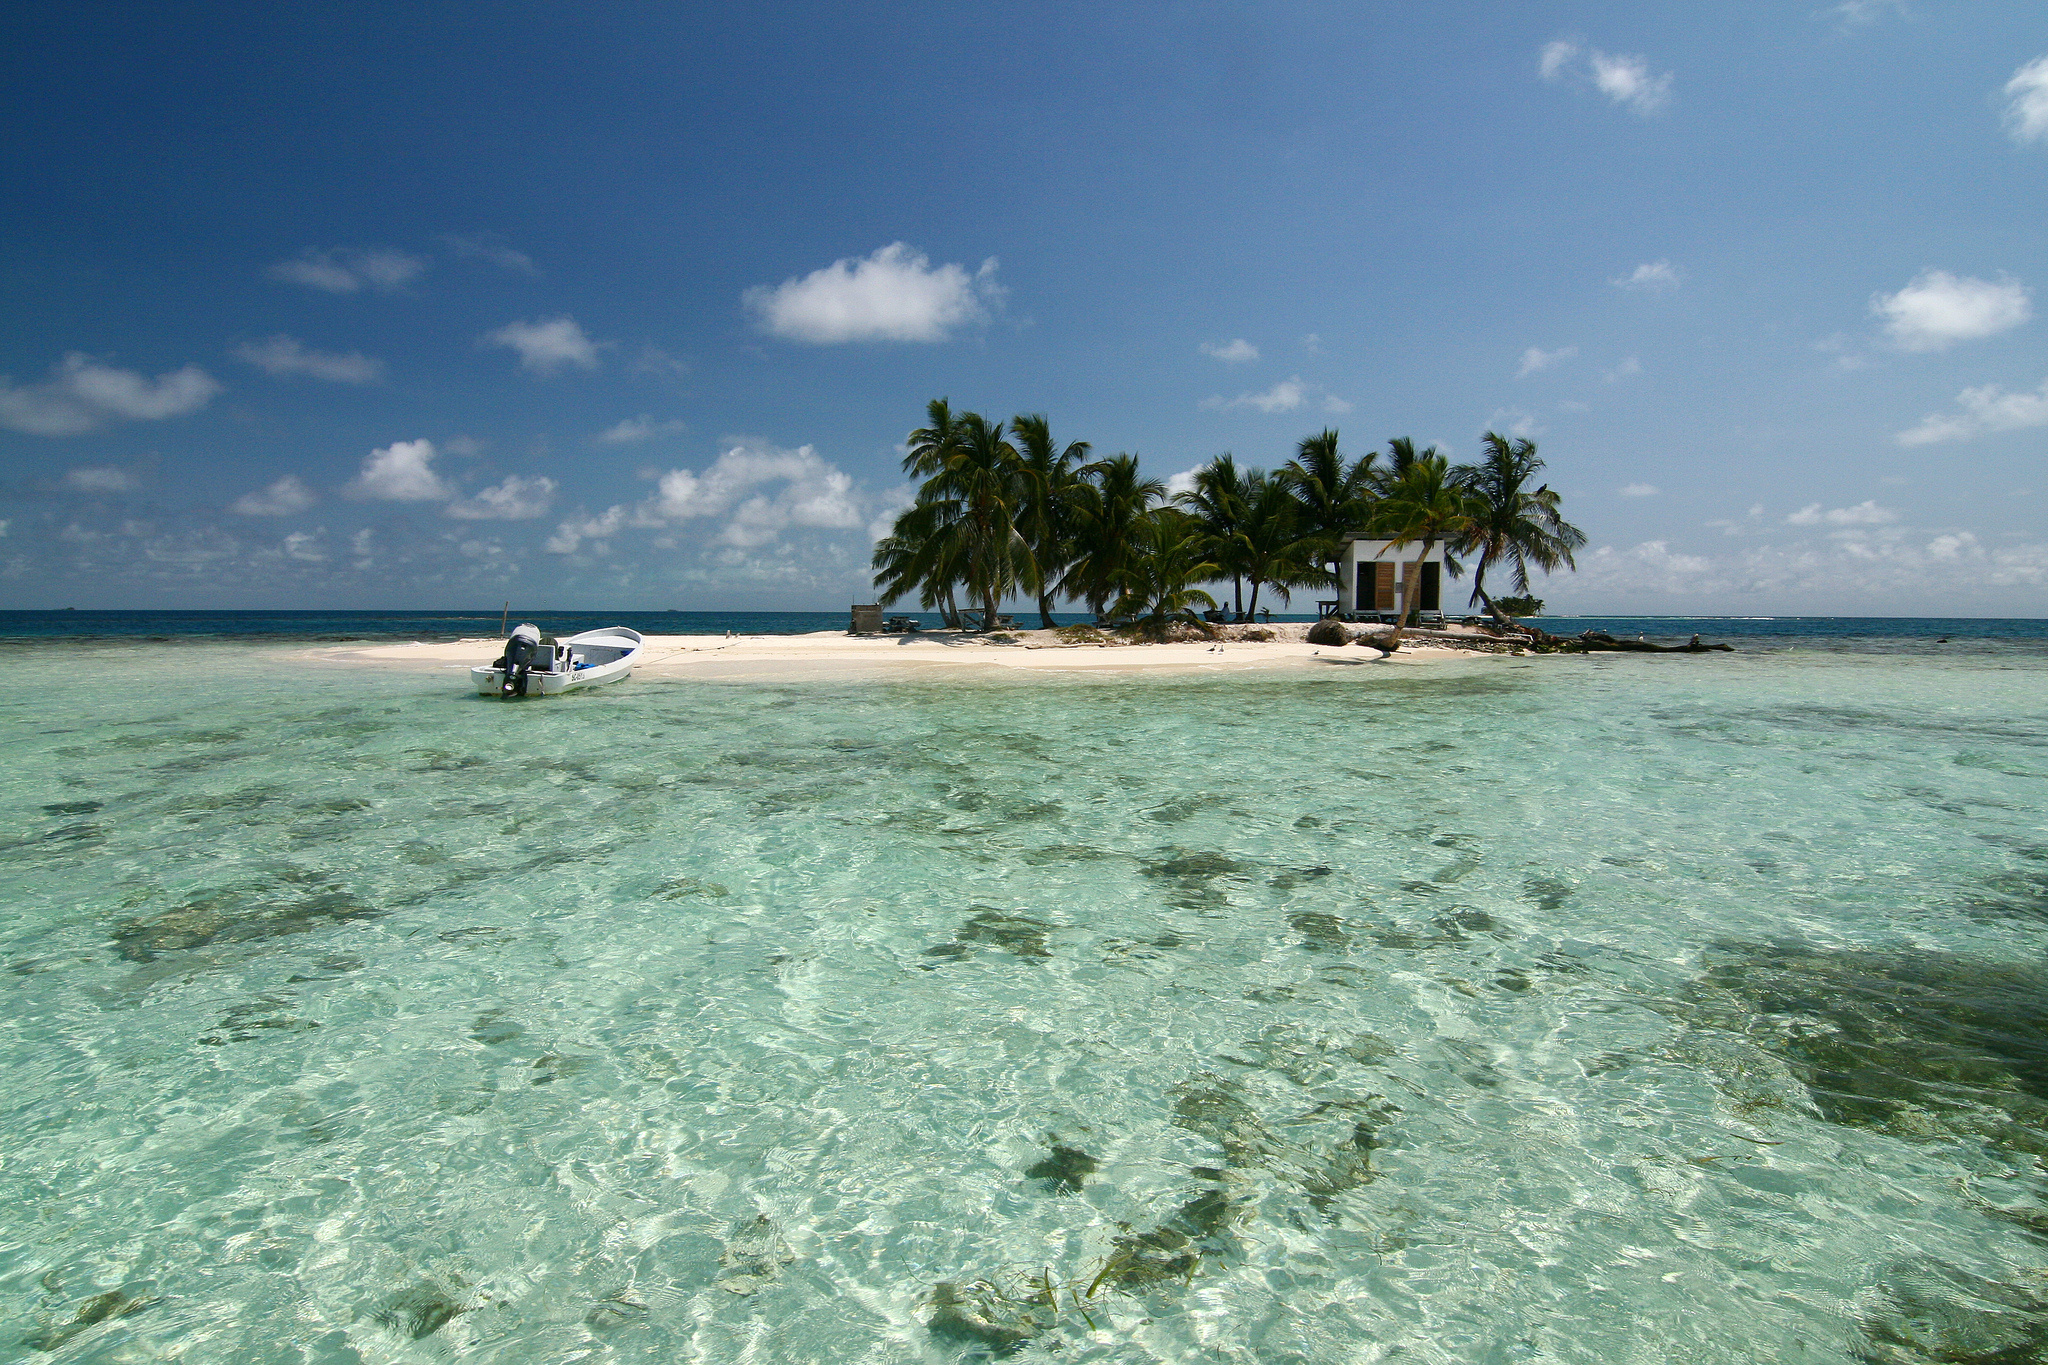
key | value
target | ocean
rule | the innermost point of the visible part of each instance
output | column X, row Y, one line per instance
column 1629, row 1008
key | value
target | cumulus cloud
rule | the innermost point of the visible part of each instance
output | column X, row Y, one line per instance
column 1285, row 396
column 1231, row 352
column 283, row 355
column 2026, row 102
column 1938, row 309
column 1653, row 276
column 1984, row 410
column 1626, row 80
column 82, row 394
column 350, row 270
column 486, row 246
column 515, row 499
column 545, row 347
column 894, row 295
column 284, row 498
column 401, row 472
column 1535, row 360
column 754, row 492
column 1865, row 513
column 1639, row 490
column 634, row 430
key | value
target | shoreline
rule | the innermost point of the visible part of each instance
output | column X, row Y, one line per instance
column 833, row 655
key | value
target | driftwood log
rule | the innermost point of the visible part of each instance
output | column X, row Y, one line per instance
column 1599, row 641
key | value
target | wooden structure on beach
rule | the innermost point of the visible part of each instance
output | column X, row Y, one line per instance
column 1372, row 577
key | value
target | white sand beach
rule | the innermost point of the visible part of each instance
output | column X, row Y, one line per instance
column 826, row 655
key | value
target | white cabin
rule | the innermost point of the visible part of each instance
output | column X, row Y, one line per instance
column 1372, row 576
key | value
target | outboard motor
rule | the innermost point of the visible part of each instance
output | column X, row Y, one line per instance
column 520, row 650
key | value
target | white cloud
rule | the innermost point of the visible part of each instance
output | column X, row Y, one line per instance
column 1857, row 13
column 1624, row 79
column 1639, row 490
column 304, row 545
column 1629, row 367
column 101, row 479
column 893, row 295
column 1334, row 405
column 634, row 430
column 1285, row 396
column 571, row 534
column 1865, row 513
column 756, row 493
column 281, row 499
column 545, row 347
column 1231, row 352
column 485, row 246
column 1535, row 360
column 348, row 270
column 515, row 499
column 1986, row 409
column 1627, row 80
column 1938, row 309
column 1654, row 276
column 401, row 472
column 284, row 355
column 1183, row 482
column 1312, row 343
column 81, row 394
column 2026, row 110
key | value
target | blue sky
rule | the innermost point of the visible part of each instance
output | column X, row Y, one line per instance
column 621, row 305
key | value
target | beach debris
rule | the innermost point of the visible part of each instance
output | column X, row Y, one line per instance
column 1065, row 1170
column 755, row 1255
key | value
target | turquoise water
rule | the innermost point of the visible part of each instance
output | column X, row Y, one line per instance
column 1636, row 1008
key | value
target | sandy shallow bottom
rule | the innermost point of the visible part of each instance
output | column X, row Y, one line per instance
column 828, row 655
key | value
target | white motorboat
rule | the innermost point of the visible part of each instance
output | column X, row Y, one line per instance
column 537, row 665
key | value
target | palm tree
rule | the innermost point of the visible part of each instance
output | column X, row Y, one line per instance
column 1049, row 474
column 1427, row 504
column 1335, row 497
column 1515, row 528
column 980, row 488
column 1108, row 500
column 1159, row 582
column 1272, row 545
column 1217, row 503
column 920, row 554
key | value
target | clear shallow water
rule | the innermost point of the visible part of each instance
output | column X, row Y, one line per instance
column 1611, row 1009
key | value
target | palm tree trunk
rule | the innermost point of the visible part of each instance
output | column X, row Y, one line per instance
column 1237, row 596
column 1044, row 612
column 1411, row 593
column 1257, row 583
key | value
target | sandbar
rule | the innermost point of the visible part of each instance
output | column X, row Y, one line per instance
column 832, row 655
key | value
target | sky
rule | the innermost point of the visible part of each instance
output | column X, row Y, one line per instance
column 618, row 305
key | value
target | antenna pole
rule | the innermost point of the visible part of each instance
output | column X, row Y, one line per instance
column 505, row 616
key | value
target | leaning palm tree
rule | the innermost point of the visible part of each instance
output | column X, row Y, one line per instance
column 1273, row 546
column 1216, row 501
column 1049, row 474
column 1108, row 501
column 1514, row 528
column 921, row 554
column 1159, row 581
column 1426, row 506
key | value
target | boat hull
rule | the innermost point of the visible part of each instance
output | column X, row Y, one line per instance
column 581, row 662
